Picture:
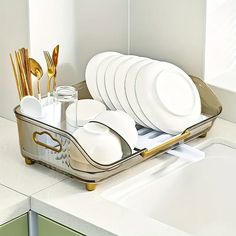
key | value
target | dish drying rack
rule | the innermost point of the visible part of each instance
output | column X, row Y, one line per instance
column 50, row 146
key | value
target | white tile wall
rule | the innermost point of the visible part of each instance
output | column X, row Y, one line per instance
column 14, row 34
column 170, row 30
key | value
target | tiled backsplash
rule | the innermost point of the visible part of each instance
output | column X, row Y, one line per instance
column 165, row 30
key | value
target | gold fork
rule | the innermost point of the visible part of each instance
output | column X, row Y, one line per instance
column 51, row 69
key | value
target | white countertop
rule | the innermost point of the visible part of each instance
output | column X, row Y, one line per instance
column 12, row 204
column 66, row 201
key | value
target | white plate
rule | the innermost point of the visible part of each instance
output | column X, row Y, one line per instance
column 137, row 114
column 101, row 79
column 109, row 80
column 91, row 73
column 172, row 103
column 119, row 82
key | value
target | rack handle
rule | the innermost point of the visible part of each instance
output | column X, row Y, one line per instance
column 165, row 145
column 55, row 149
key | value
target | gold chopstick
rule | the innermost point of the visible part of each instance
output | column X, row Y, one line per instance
column 20, row 76
column 16, row 78
column 23, row 76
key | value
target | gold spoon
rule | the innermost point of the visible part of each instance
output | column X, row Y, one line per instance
column 37, row 71
column 55, row 55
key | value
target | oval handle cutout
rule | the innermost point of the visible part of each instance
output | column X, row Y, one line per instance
column 55, row 145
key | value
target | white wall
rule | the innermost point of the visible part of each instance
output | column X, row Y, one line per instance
column 81, row 27
column 101, row 25
column 14, row 35
column 52, row 22
column 170, row 30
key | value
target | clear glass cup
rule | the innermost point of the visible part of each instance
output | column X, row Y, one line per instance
column 64, row 96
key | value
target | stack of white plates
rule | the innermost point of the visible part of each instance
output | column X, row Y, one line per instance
column 158, row 95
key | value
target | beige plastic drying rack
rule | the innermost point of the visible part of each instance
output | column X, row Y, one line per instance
column 57, row 156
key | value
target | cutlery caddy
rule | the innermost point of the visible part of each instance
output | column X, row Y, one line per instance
column 50, row 146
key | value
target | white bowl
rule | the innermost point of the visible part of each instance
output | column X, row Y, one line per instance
column 122, row 124
column 91, row 73
column 103, row 146
column 87, row 109
column 173, row 102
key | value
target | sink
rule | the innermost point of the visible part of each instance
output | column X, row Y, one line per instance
column 197, row 198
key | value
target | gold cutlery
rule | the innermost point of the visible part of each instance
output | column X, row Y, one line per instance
column 37, row 71
column 24, row 60
column 50, row 69
column 27, row 70
column 22, row 75
column 17, row 79
column 23, row 67
column 55, row 55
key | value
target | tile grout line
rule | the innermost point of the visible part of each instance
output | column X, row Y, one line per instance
column 36, row 191
column 13, row 190
column 29, row 197
column 50, row 185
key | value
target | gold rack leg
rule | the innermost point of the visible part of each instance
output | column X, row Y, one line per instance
column 90, row 186
column 29, row 161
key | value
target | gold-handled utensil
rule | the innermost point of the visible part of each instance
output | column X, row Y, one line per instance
column 23, row 80
column 50, row 69
column 24, row 60
column 17, row 79
column 21, row 70
column 37, row 71
column 27, row 71
column 55, row 55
